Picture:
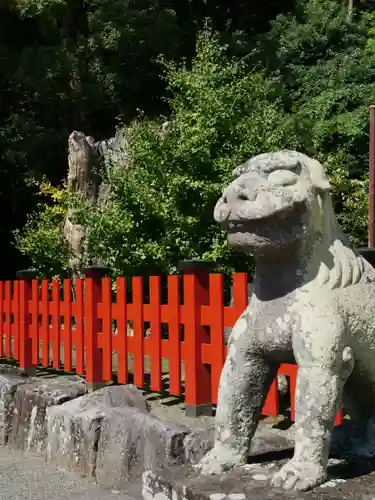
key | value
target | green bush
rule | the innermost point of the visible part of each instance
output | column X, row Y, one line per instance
column 160, row 209
column 41, row 239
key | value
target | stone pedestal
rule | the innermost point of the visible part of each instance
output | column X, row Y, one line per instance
column 354, row 481
column 349, row 477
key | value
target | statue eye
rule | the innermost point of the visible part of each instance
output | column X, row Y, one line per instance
column 283, row 178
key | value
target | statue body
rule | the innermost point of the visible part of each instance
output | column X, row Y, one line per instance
column 313, row 304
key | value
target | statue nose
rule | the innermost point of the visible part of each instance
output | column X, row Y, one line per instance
column 238, row 197
column 247, row 195
column 242, row 194
column 242, row 190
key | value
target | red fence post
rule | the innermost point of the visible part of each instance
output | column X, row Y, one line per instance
column 122, row 332
column 94, row 355
column 25, row 342
column 2, row 318
column 198, row 398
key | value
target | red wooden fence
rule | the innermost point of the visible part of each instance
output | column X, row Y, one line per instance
column 41, row 324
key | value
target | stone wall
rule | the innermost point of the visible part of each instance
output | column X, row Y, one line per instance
column 108, row 434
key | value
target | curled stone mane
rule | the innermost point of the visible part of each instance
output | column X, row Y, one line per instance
column 340, row 266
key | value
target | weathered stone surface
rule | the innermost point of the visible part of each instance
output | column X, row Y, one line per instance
column 355, row 481
column 29, row 429
column 73, row 435
column 312, row 304
column 197, row 443
column 74, row 428
column 267, row 440
column 228, row 329
column 123, row 395
column 9, row 382
column 7, row 369
column 132, row 441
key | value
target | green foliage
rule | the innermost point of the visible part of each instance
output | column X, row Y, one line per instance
column 161, row 207
column 304, row 83
column 29, row 8
column 41, row 239
column 72, row 65
column 322, row 62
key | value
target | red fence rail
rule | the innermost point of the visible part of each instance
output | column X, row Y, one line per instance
column 93, row 325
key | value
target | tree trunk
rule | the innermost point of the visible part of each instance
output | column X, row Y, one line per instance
column 350, row 8
column 83, row 180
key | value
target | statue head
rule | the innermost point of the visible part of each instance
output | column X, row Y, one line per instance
column 274, row 202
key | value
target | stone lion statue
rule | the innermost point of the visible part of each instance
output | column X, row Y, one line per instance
column 313, row 304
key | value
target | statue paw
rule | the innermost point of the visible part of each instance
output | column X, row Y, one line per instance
column 219, row 460
column 299, row 476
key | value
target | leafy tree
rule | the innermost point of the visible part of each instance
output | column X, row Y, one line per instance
column 161, row 207
column 304, row 83
column 69, row 65
column 322, row 62
column 41, row 239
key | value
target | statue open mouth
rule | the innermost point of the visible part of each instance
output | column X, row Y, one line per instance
column 235, row 227
column 243, row 227
column 245, row 223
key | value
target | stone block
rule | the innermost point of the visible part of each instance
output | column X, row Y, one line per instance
column 75, row 426
column 29, row 429
column 9, row 382
column 132, row 441
column 73, row 434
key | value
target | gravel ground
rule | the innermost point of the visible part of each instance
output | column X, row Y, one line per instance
column 27, row 478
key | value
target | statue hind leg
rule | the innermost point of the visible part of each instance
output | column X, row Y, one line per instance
column 245, row 380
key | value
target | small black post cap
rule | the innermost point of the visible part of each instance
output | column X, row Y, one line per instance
column 27, row 274
column 368, row 254
column 187, row 266
column 96, row 271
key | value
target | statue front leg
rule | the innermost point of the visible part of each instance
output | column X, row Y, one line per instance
column 318, row 398
column 245, row 381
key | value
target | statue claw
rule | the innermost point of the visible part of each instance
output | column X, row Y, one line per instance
column 220, row 460
column 298, row 476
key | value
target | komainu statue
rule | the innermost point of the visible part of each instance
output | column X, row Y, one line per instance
column 313, row 304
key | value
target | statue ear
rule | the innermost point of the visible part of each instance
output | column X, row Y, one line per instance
column 318, row 177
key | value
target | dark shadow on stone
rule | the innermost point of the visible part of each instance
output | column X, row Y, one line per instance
column 351, row 469
column 175, row 401
column 160, row 397
column 271, row 456
column 157, row 397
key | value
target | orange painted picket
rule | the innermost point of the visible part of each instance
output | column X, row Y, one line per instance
column 67, row 325
column 81, row 325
